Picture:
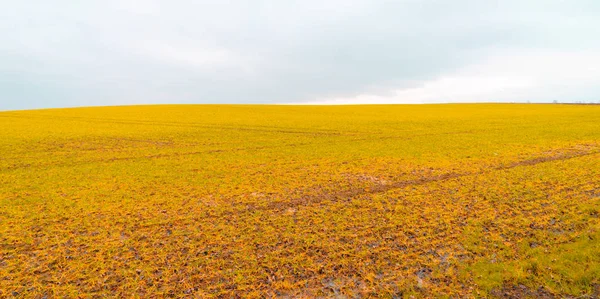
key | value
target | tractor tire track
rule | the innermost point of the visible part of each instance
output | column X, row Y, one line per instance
column 345, row 195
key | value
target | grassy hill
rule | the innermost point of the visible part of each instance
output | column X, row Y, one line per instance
column 300, row 201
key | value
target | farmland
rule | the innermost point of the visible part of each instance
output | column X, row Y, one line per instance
column 463, row 200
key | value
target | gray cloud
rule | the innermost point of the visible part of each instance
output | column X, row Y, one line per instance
column 128, row 52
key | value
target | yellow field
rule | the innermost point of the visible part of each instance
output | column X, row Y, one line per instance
column 300, row 201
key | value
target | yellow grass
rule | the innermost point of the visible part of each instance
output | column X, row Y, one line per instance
column 300, row 202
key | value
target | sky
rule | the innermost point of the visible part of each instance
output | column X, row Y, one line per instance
column 65, row 53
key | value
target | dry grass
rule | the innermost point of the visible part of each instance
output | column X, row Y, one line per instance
column 300, row 202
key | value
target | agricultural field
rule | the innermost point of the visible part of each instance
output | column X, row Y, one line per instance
column 259, row 201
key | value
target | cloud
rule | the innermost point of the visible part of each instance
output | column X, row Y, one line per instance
column 190, row 56
column 504, row 76
column 127, row 52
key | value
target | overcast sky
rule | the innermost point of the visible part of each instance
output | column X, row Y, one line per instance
column 78, row 53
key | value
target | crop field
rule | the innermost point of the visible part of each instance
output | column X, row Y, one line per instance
column 244, row 201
